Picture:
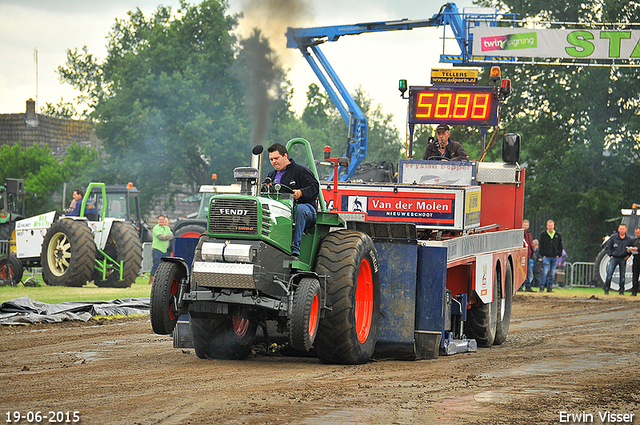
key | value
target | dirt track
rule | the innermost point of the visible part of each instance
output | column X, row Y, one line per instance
column 562, row 355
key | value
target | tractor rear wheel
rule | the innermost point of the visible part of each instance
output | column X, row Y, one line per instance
column 226, row 337
column 601, row 264
column 6, row 229
column 305, row 314
column 482, row 319
column 349, row 331
column 68, row 253
column 164, row 291
column 123, row 245
column 191, row 231
column 11, row 270
column 504, row 308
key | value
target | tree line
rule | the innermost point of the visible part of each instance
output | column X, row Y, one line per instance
column 180, row 97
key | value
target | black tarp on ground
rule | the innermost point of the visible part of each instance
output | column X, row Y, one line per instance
column 24, row 310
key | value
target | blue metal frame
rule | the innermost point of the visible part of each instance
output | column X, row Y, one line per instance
column 307, row 40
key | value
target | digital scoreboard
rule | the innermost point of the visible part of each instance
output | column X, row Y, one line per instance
column 453, row 105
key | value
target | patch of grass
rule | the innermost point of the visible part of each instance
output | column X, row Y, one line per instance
column 579, row 292
column 88, row 292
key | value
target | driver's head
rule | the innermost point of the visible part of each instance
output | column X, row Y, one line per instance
column 443, row 132
column 278, row 156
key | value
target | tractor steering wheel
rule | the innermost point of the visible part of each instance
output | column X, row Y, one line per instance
column 437, row 158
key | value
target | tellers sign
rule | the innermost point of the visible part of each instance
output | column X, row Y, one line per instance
column 452, row 105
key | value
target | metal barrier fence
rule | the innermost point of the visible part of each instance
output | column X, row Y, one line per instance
column 580, row 274
column 4, row 247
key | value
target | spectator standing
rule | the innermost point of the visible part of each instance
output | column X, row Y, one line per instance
column 550, row 250
column 528, row 240
column 635, row 250
column 537, row 265
column 616, row 248
column 161, row 236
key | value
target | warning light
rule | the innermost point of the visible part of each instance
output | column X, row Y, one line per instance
column 327, row 152
column 402, row 86
column 214, row 177
column 505, row 88
column 130, row 185
column 495, row 73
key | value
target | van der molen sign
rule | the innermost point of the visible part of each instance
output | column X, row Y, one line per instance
column 556, row 43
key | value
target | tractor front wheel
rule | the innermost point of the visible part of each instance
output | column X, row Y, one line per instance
column 68, row 253
column 349, row 331
column 305, row 314
column 164, row 292
column 226, row 337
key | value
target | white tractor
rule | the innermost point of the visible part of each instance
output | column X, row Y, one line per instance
column 75, row 250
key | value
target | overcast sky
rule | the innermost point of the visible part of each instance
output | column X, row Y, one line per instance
column 374, row 61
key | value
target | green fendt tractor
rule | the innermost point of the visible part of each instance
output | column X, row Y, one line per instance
column 243, row 275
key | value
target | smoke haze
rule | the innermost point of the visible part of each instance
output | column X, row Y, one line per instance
column 264, row 55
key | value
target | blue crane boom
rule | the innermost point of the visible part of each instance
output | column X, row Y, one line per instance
column 307, row 40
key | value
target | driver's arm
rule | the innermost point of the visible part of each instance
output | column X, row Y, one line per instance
column 459, row 154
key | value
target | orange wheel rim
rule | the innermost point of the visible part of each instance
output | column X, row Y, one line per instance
column 364, row 301
column 240, row 326
column 313, row 316
column 191, row 235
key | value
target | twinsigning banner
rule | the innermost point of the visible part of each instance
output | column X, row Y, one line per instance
column 556, row 43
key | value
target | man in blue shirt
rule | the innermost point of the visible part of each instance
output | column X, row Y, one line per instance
column 89, row 208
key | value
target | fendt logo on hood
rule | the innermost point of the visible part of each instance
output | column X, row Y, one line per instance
column 230, row 211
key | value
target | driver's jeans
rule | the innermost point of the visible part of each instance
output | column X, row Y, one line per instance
column 305, row 218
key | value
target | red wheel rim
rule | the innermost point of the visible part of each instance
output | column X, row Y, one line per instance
column 240, row 326
column 364, row 301
column 190, row 235
column 313, row 316
column 6, row 270
column 174, row 293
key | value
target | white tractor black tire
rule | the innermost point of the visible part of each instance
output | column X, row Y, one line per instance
column 600, row 266
column 123, row 245
column 68, row 253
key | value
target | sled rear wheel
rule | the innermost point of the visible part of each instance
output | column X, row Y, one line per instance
column 504, row 308
column 482, row 319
